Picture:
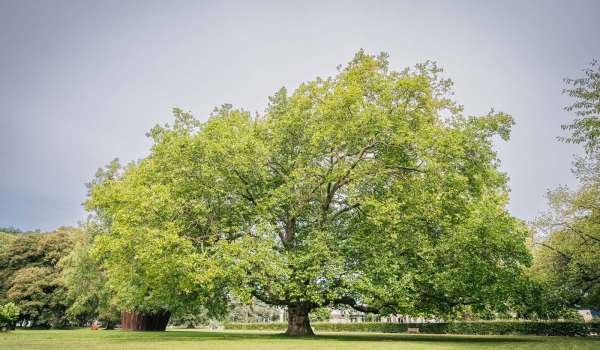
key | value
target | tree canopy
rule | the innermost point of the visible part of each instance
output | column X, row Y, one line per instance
column 30, row 274
column 87, row 293
column 568, row 240
column 585, row 128
column 368, row 189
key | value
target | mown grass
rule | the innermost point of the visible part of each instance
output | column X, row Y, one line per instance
column 206, row 340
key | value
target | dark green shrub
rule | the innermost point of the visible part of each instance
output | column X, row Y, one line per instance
column 275, row 326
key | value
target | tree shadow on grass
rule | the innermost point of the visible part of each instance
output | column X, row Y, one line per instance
column 334, row 337
column 428, row 338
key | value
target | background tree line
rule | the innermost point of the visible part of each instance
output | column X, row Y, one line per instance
column 31, row 275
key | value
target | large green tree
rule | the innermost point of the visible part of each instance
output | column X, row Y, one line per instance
column 368, row 189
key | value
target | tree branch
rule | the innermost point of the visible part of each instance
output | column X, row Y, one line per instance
column 356, row 306
column 345, row 209
column 577, row 231
column 568, row 257
column 269, row 299
column 248, row 195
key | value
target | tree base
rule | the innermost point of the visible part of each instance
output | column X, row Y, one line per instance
column 145, row 322
column 109, row 326
column 298, row 321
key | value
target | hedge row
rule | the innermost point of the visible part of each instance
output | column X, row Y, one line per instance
column 554, row 328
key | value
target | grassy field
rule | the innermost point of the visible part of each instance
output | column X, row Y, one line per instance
column 205, row 340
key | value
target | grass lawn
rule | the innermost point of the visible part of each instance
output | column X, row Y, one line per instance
column 206, row 340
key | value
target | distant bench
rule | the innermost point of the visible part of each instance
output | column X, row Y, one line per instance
column 412, row 330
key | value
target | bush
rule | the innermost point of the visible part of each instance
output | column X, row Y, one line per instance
column 549, row 328
column 9, row 313
column 273, row 326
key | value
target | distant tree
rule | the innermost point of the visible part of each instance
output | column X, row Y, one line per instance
column 368, row 189
column 10, row 229
column 538, row 299
column 567, row 253
column 30, row 275
column 41, row 296
column 19, row 253
column 191, row 318
column 320, row 314
column 585, row 128
column 253, row 311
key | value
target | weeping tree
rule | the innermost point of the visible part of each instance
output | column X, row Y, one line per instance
column 89, row 297
column 369, row 189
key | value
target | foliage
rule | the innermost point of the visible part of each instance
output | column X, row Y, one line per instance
column 547, row 328
column 5, row 240
column 40, row 295
column 149, row 270
column 30, row 275
column 585, row 128
column 567, row 242
column 568, row 239
column 17, row 254
column 9, row 313
column 89, row 297
column 368, row 189
column 10, row 229
column 320, row 314
column 538, row 299
column 190, row 320
column 255, row 311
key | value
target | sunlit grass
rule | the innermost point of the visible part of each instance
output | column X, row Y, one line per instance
column 206, row 340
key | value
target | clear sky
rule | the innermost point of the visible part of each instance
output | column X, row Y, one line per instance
column 82, row 81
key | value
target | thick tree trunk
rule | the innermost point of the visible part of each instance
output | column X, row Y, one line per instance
column 109, row 325
column 145, row 322
column 298, row 321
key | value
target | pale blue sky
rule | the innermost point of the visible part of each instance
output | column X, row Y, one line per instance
column 82, row 81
